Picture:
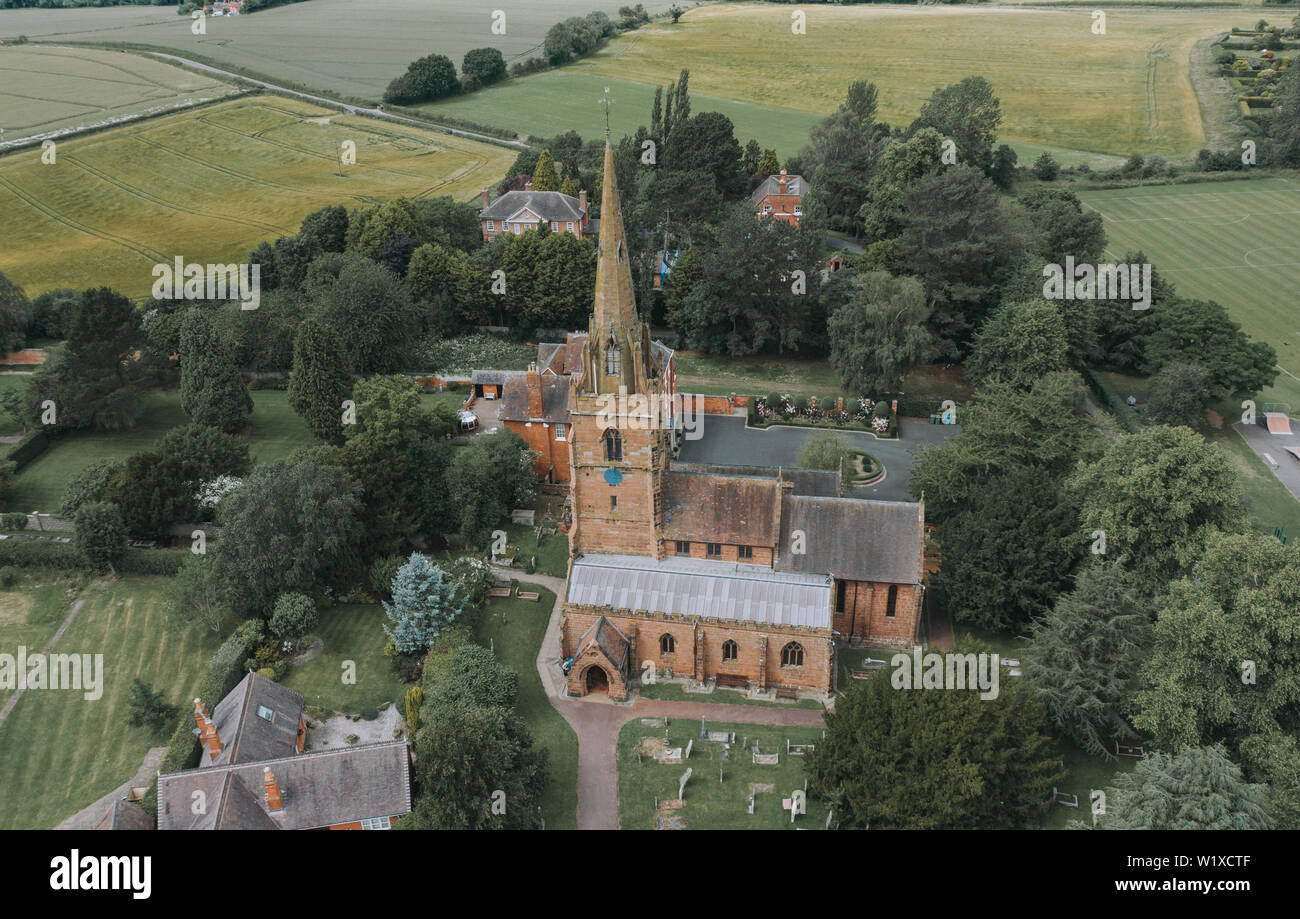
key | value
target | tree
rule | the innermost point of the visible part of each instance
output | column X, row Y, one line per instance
column 707, row 143
column 967, row 113
column 753, row 154
column 973, row 763
column 475, row 677
column 768, row 164
column 485, row 481
column 1179, row 394
column 148, row 495
column 212, row 391
column 293, row 616
column 15, row 313
column 544, row 177
column 390, row 414
column 326, row 229
column 198, row 454
column 1082, row 658
column 87, row 486
column 1198, row 788
column 100, row 535
column 291, row 527
column 482, row 67
column 1200, row 332
column 1003, row 172
column 1285, row 127
column 1046, row 168
column 823, row 450
column 880, row 335
column 840, row 156
column 899, row 165
column 470, row 758
column 386, row 520
column 686, row 273
column 197, row 594
column 558, row 43
column 1061, row 227
column 450, row 223
column 426, row 78
column 424, row 605
column 1158, row 496
column 321, row 380
column 367, row 306
column 1020, row 344
column 372, row 229
column 150, row 709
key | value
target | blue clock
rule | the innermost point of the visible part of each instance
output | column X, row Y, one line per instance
column 613, row 476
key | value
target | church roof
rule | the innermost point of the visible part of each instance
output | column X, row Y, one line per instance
column 820, row 482
column 703, row 507
column 699, row 587
column 605, row 635
column 853, row 539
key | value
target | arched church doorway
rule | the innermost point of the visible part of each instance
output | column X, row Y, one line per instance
column 597, row 680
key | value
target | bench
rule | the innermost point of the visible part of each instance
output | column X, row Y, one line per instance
column 499, row 592
column 527, row 595
column 733, row 680
column 783, row 693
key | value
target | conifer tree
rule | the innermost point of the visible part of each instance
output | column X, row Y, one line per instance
column 424, row 604
column 320, row 381
column 212, row 391
column 544, row 176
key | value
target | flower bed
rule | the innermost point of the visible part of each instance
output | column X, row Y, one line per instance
column 865, row 415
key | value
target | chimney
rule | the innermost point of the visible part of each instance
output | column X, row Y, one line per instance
column 582, row 203
column 534, row 381
column 274, row 803
column 207, row 730
column 783, row 181
column 528, row 186
column 486, row 202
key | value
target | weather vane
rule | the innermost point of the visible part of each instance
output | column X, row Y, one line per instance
column 605, row 101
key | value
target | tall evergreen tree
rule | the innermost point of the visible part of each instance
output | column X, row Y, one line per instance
column 425, row 604
column 544, row 176
column 212, row 391
column 321, row 380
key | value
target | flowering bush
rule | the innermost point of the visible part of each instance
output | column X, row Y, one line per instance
column 880, row 425
column 210, row 493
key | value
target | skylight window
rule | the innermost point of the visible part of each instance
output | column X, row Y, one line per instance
column 265, row 713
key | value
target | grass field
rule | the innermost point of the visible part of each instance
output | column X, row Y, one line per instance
column 353, row 47
column 1234, row 242
column 277, row 432
column 49, row 90
column 351, row 632
column 117, row 203
column 59, row 752
column 1060, row 85
column 514, row 629
column 708, row 803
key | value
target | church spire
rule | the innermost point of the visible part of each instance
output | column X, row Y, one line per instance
column 615, row 303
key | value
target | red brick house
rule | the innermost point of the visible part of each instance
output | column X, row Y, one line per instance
column 780, row 196
column 518, row 211
column 253, row 773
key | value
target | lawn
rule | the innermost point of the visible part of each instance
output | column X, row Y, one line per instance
column 59, row 752
column 10, row 382
column 1083, row 774
column 117, row 203
column 49, row 89
column 1060, row 85
column 31, row 610
column 708, row 803
column 351, row 632
column 514, row 629
column 277, row 432
column 1233, row 242
column 674, row 692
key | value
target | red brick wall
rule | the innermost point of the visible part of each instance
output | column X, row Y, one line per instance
column 552, row 455
column 782, row 207
column 730, row 553
column 865, row 606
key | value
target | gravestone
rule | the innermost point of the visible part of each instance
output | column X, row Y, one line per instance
column 687, row 754
column 681, row 786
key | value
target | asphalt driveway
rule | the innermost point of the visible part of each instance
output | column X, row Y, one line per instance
column 1261, row 441
column 727, row 441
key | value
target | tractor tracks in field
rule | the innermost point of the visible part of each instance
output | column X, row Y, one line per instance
column 35, row 203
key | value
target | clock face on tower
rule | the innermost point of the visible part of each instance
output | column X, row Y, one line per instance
column 613, row 476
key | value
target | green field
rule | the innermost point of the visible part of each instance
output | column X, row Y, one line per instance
column 59, row 752
column 48, row 90
column 708, row 803
column 1234, row 242
column 208, row 185
column 351, row 632
column 351, row 47
column 276, row 433
column 1060, row 85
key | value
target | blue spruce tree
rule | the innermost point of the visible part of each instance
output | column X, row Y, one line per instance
column 424, row 605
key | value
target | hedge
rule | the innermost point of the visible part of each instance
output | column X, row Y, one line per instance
column 30, row 447
column 151, row 561
column 40, row 553
column 1127, row 418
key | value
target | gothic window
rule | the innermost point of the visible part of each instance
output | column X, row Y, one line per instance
column 618, row 251
column 613, row 358
column 893, row 601
column 792, row 655
column 666, row 644
column 841, row 589
column 613, row 445
column 730, row 650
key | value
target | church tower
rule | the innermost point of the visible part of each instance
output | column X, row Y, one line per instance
column 618, row 449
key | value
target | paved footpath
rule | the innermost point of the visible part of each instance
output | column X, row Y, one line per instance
column 597, row 721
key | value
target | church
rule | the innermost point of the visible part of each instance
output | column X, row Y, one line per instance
column 737, row 576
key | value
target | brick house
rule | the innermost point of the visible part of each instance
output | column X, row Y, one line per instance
column 253, row 773
column 741, row 575
column 781, row 196
column 518, row 211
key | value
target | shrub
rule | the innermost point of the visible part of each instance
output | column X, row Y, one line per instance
column 14, row 521
column 414, row 699
column 267, row 672
column 8, row 576
column 41, row 553
column 150, row 561
column 294, row 615
column 383, row 571
column 1046, row 168
column 101, row 535
column 369, row 713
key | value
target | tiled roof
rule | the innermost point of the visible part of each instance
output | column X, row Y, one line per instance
column 125, row 815
column 737, row 510
column 819, row 482
column 549, row 205
column 319, row 789
column 612, row 643
column 698, row 587
column 246, row 735
column 555, row 399
column 772, row 186
column 853, row 539
column 491, row 377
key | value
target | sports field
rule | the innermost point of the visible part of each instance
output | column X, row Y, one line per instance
column 1234, row 242
column 48, row 90
column 208, row 185
column 353, row 47
column 1060, row 85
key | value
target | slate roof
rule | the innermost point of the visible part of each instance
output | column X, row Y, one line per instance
column 853, row 539
column 605, row 635
column 549, row 205
column 245, row 735
column 819, row 482
column 772, row 186
column 125, row 815
column 555, row 400
column 318, row 789
column 738, row 510
column 699, row 587
column 492, row 377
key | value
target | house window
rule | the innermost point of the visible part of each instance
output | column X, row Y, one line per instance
column 265, row 713
column 683, row 547
column 792, row 655
column 560, row 432
column 492, row 224
column 613, row 502
column 841, row 589
column 376, row 823
column 613, row 446
column 555, row 226
column 714, row 550
column 666, row 644
column 767, row 208
column 798, row 210
column 730, row 650
column 892, row 602
column 745, row 551
column 570, row 227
